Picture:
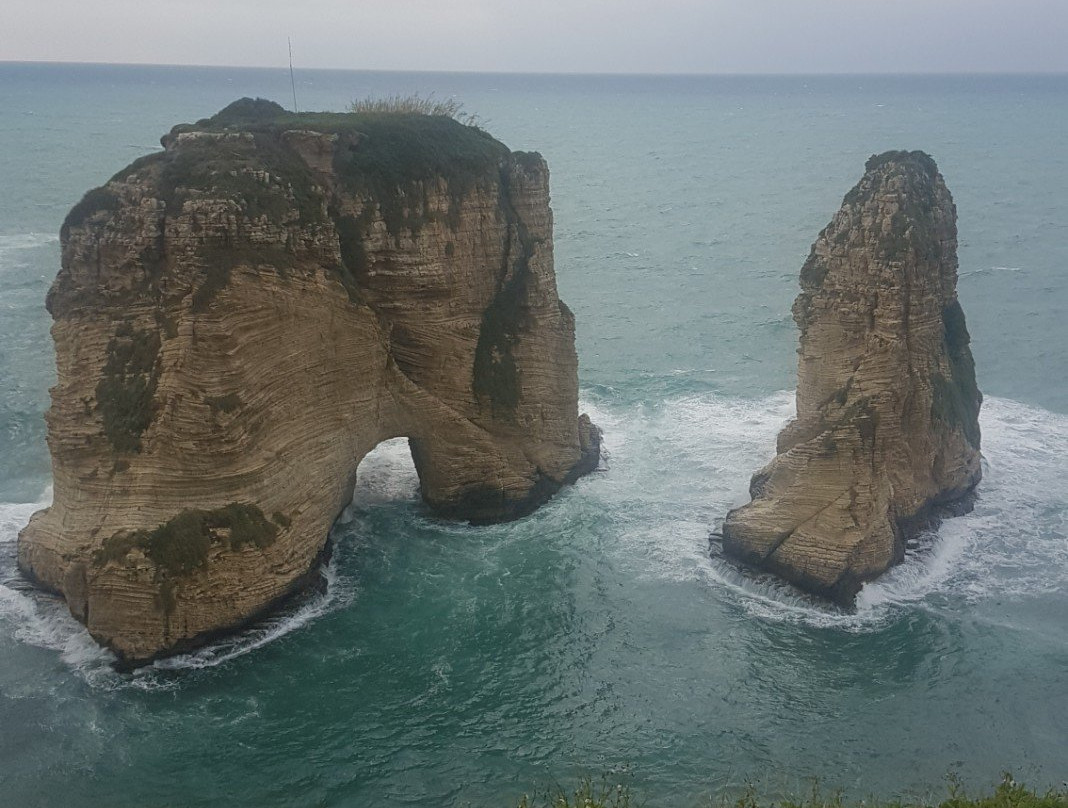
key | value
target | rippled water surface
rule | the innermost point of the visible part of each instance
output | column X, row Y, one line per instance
column 447, row 665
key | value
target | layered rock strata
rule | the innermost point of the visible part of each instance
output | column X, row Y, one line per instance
column 241, row 318
column 886, row 435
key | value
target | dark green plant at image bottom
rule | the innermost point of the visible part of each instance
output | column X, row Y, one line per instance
column 589, row 793
column 605, row 793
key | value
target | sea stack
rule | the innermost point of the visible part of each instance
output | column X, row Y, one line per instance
column 886, row 438
column 240, row 318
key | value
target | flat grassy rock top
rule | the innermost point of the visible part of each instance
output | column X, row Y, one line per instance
column 408, row 146
column 377, row 155
column 915, row 159
column 913, row 173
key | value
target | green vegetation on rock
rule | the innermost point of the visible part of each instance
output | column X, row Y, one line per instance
column 496, row 375
column 386, row 153
column 604, row 794
column 95, row 200
column 813, row 271
column 910, row 231
column 919, row 159
column 127, row 385
column 181, row 545
column 229, row 403
column 415, row 104
column 589, row 793
column 351, row 235
column 956, row 400
column 399, row 155
column 219, row 263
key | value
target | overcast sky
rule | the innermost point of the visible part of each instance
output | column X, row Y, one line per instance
column 609, row 36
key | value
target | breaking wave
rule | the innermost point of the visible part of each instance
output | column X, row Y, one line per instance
column 38, row 619
column 30, row 617
column 673, row 471
column 11, row 245
column 1012, row 545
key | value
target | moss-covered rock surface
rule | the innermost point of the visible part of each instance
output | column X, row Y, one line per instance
column 181, row 545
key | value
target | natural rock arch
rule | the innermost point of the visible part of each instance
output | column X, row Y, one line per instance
column 241, row 318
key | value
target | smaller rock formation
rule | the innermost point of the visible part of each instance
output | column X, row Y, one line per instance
column 886, row 436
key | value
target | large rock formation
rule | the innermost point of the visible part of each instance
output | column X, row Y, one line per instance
column 887, row 434
column 241, row 318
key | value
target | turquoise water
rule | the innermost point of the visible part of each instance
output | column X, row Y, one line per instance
column 448, row 665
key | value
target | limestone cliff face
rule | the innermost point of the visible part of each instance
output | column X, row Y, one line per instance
column 887, row 431
column 241, row 318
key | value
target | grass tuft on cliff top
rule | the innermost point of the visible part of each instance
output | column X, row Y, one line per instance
column 388, row 147
column 396, row 140
column 916, row 159
column 418, row 105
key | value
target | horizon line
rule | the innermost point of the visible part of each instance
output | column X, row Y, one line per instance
column 604, row 74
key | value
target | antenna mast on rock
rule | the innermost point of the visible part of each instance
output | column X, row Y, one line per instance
column 292, row 81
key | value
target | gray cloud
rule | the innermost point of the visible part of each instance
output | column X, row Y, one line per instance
column 763, row 36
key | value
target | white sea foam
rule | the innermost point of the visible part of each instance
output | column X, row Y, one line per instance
column 990, row 270
column 23, row 241
column 333, row 597
column 385, row 475
column 15, row 515
column 1014, row 543
column 41, row 620
column 674, row 470
column 12, row 245
column 679, row 467
column 34, row 618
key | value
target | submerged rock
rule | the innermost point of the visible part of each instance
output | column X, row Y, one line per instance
column 240, row 318
column 886, row 436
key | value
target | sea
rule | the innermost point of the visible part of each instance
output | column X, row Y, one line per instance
column 604, row 636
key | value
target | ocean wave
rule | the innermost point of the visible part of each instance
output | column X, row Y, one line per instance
column 678, row 467
column 25, row 241
column 13, row 244
column 674, row 470
column 333, row 597
column 16, row 252
column 990, row 270
column 386, row 475
column 35, row 618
